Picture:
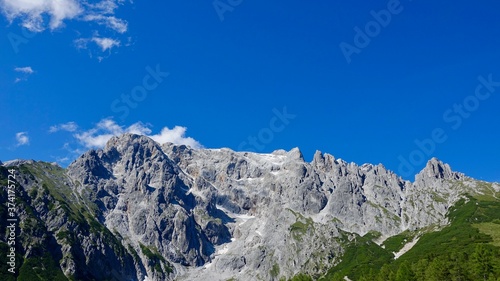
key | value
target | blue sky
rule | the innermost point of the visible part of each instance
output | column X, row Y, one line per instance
column 392, row 82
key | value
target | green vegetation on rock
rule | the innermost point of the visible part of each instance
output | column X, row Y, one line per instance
column 156, row 260
column 467, row 249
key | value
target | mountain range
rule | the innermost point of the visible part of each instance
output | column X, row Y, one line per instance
column 140, row 210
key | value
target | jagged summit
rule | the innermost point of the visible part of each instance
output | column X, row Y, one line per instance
column 436, row 169
column 17, row 162
column 127, row 139
column 296, row 154
column 217, row 214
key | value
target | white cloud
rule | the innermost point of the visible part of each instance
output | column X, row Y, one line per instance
column 22, row 138
column 39, row 15
column 105, row 6
column 32, row 12
column 139, row 129
column 62, row 160
column 111, row 22
column 103, row 43
column 92, row 139
column 106, row 43
column 176, row 135
column 103, row 12
column 24, row 72
column 68, row 127
column 27, row 70
column 107, row 128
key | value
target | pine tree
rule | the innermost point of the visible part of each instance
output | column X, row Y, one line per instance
column 458, row 266
column 365, row 278
column 372, row 275
column 405, row 273
column 385, row 273
column 419, row 269
column 482, row 262
column 437, row 270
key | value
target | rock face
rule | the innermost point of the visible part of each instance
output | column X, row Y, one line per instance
column 58, row 236
column 169, row 211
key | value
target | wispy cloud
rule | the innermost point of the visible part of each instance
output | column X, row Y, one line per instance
column 40, row 15
column 71, row 152
column 105, row 43
column 176, row 135
column 24, row 72
column 31, row 13
column 22, row 139
column 98, row 136
column 27, row 70
column 62, row 159
column 68, row 127
column 110, row 22
column 97, row 45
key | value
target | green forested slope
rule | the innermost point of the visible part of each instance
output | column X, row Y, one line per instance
column 465, row 250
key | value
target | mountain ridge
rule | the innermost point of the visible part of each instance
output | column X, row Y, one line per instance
column 191, row 213
column 296, row 150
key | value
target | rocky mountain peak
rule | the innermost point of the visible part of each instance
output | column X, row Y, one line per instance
column 318, row 156
column 435, row 168
column 295, row 154
column 323, row 160
column 125, row 141
column 279, row 152
column 16, row 162
column 217, row 214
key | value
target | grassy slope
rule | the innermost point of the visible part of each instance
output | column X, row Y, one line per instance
column 49, row 181
column 473, row 221
column 42, row 264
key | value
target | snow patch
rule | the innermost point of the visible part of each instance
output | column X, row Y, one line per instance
column 195, row 192
column 249, row 179
column 223, row 250
column 244, row 218
column 275, row 159
column 406, row 248
column 241, row 218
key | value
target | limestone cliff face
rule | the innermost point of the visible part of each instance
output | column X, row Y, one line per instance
column 57, row 235
column 168, row 211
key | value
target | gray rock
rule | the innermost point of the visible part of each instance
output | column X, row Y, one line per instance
column 17, row 162
column 214, row 214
